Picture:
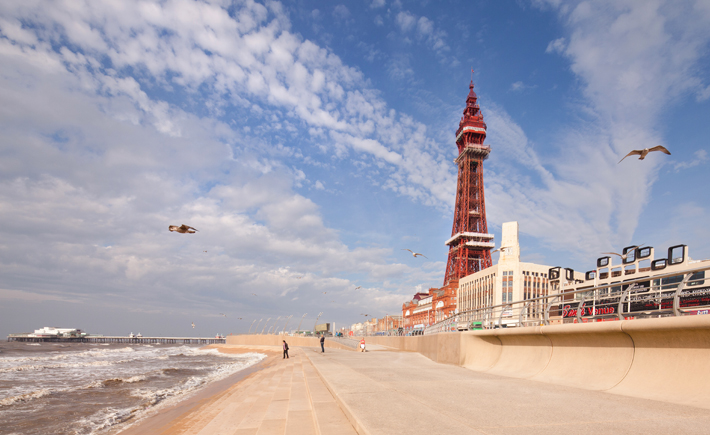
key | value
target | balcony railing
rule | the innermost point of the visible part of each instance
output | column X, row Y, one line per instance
column 662, row 295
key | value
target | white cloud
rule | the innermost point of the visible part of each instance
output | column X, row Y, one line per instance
column 99, row 162
column 703, row 94
column 581, row 200
column 377, row 4
column 405, row 21
column 556, row 46
column 341, row 12
column 424, row 30
column 517, row 86
column 700, row 157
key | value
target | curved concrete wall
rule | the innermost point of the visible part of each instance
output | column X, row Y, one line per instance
column 670, row 360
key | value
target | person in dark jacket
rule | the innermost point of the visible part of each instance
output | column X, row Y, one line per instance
column 285, row 349
column 322, row 343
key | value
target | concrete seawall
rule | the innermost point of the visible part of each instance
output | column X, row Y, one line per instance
column 661, row 359
column 276, row 340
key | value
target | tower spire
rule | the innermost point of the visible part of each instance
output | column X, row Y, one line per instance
column 470, row 244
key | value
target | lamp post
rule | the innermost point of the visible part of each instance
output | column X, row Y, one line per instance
column 314, row 325
column 274, row 325
column 257, row 326
column 267, row 322
column 288, row 319
column 252, row 324
column 299, row 324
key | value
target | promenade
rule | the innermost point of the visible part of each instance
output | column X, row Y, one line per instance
column 387, row 392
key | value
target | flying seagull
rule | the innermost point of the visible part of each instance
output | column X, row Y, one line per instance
column 415, row 254
column 358, row 287
column 222, row 314
column 364, row 314
column 502, row 249
column 623, row 256
column 254, row 294
column 642, row 153
column 193, row 325
column 183, row 229
column 325, row 293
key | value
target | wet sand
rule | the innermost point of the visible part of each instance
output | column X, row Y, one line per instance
column 180, row 418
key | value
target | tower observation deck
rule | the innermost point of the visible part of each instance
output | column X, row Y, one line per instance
column 470, row 244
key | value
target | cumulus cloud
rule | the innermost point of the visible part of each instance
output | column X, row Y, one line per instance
column 424, row 30
column 614, row 49
column 123, row 123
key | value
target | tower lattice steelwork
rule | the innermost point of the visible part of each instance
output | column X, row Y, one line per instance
column 470, row 244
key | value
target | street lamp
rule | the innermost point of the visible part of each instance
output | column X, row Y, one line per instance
column 299, row 324
column 274, row 325
column 288, row 319
column 314, row 325
column 257, row 326
column 267, row 322
column 252, row 324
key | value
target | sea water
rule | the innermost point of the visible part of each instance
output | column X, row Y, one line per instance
column 83, row 388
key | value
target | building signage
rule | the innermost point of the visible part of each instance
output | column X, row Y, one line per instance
column 641, row 299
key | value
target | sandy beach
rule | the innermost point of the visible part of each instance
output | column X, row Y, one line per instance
column 197, row 410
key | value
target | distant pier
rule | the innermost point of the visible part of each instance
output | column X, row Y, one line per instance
column 121, row 340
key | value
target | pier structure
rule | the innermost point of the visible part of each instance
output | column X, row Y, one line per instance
column 116, row 339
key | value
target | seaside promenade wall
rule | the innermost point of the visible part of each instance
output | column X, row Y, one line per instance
column 663, row 359
column 276, row 340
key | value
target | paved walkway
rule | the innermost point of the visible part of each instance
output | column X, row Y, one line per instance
column 286, row 398
column 398, row 392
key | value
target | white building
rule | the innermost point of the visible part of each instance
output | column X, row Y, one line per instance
column 507, row 281
column 50, row 331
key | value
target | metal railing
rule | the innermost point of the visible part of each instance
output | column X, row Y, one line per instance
column 662, row 295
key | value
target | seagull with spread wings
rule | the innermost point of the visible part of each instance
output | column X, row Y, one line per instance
column 182, row 229
column 624, row 256
column 502, row 249
column 415, row 254
column 193, row 325
column 644, row 152
column 358, row 287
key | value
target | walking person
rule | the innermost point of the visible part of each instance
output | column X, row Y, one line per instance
column 322, row 343
column 362, row 345
column 285, row 349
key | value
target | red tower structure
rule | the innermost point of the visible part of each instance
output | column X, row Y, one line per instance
column 470, row 244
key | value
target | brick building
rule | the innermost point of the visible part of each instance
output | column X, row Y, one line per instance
column 428, row 308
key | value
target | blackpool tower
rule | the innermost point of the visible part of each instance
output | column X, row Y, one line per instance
column 470, row 244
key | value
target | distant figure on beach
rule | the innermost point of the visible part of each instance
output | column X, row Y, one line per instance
column 285, row 349
column 183, row 229
column 322, row 343
column 362, row 345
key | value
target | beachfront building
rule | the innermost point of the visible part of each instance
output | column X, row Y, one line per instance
column 428, row 308
column 507, row 281
column 388, row 323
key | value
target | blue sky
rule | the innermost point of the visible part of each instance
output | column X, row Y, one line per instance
column 310, row 142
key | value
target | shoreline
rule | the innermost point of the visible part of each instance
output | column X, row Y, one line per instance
column 180, row 417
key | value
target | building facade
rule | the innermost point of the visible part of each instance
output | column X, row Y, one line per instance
column 507, row 281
